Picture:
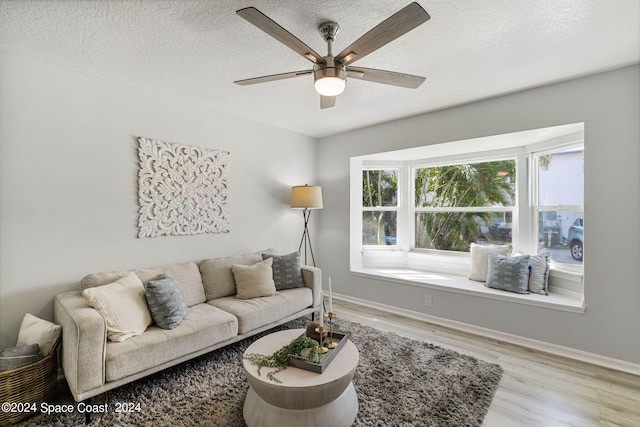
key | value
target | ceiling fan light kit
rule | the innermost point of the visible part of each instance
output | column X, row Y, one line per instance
column 329, row 72
column 330, row 78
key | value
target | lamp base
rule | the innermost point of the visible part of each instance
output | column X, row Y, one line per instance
column 306, row 239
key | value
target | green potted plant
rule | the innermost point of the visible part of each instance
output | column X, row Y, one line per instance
column 302, row 347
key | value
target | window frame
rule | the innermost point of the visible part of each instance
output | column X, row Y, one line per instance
column 536, row 208
column 396, row 208
column 413, row 209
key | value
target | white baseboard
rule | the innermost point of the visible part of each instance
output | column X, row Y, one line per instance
column 558, row 350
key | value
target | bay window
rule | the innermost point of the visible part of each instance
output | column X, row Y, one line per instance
column 423, row 207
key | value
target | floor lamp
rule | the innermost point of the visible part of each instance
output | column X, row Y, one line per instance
column 306, row 197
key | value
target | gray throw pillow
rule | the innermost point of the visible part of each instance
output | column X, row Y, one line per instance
column 17, row 357
column 287, row 272
column 166, row 302
column 508, row 273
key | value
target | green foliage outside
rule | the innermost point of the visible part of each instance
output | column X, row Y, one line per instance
column 487, row 184
column 470, row 185
column 379, row 188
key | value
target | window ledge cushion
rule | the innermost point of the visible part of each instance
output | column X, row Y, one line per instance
column 558, row 299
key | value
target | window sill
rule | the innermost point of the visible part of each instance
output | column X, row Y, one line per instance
column 559, row 299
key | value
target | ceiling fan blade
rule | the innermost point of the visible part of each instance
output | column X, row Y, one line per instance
column 385, row 77
column 272, row 28
column 327, row 101
column 388, row 30
column 272, row 77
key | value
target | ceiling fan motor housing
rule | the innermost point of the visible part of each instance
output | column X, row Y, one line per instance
column 332, row 68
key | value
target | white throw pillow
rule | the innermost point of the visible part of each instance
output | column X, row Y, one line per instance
column 480, row 259
column 123, row 306
column 254, row 280
column 34, row 330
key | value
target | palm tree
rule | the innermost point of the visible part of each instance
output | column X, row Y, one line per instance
column 469, row 185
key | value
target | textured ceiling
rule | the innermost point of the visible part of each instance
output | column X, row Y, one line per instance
column 469, row 50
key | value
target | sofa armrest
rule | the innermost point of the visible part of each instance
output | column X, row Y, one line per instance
column 84, row 340
column 312, row 277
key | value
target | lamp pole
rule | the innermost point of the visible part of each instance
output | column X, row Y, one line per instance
column 306, row 197
column 306, row 238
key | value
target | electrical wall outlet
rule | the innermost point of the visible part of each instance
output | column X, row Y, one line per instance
column 428, row 301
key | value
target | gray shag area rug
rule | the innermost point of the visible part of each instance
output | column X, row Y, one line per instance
column 399, row 382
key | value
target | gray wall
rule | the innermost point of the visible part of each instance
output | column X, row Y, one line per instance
column 68, row 207
column 608, row 104
column 68, row 183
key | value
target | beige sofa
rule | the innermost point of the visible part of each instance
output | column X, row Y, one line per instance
column 93, row 364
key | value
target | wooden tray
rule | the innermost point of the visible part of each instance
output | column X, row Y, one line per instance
column 325, row 359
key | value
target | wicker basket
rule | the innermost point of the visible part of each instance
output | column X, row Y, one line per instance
column 34, row 383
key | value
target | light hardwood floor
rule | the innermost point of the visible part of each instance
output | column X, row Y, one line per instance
column 536, row 389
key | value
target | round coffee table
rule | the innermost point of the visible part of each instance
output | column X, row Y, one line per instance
column 304, row 398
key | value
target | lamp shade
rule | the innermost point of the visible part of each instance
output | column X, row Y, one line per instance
column 306, row 197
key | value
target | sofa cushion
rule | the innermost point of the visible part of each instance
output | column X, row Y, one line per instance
column 217, row 277
column 17, row 357
column 34, row 330
column 186, row 274
column 122, row 305
column 286, row 270
column 254, row 280
column 202, row 327
column 257, row 312
column 166, row 302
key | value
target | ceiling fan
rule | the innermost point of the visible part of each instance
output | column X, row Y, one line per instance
column 330, row 72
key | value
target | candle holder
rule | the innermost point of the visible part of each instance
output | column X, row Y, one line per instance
column 322, row 331
column 331, row 344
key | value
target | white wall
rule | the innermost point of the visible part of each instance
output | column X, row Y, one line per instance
column 608, row 104
column 68, row 183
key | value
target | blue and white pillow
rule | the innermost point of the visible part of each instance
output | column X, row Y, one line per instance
column 508, row 273
column 166, row 302
column 539, row 279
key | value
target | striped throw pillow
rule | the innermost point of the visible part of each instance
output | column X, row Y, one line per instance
column 166, row 302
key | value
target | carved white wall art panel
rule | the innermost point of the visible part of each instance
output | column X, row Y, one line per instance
column 182, row 190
